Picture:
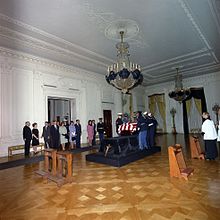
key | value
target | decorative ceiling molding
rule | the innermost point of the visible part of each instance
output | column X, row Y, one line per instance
column 188, row 11
column 103, row 20
column 5, row 67
column 184, row 59
column 129, row 27
column 169, row 71
column 203, row 79
column 21, row 36
column 67, row 45
column 198, row 70
column 173, row 61
column 8, row 53
column 215, row 10
column 25, row 40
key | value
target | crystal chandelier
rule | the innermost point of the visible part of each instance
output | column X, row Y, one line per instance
column 124, row 75
column 179, row 93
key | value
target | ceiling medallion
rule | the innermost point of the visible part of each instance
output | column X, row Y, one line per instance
column 179, row 94
column 129, row 27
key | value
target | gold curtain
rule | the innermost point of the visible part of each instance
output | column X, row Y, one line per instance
column 198, row 103
column 188, row 106
column 152, row 104
column 162, row 108
column 158, row 100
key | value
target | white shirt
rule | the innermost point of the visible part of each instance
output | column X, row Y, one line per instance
column 209, row 129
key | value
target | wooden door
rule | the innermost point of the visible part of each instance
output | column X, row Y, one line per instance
column 108, row 122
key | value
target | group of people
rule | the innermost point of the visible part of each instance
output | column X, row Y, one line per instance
column 146, row 125
column 30, row 135
column 61, row 134
column 54, row 135
column 211, row 134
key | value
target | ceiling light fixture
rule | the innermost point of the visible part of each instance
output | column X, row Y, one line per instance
column 124, row 75
column 179, row 94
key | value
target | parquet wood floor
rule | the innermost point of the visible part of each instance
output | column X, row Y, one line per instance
column 138, row 191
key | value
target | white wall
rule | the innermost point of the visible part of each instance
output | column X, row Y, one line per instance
column 211, row 85
column 26, row 82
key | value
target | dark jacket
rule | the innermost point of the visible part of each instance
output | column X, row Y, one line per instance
column 27, row 134
column 142, row 123
column 46, row 133
column 78, row 129
column 100, row 127
column 54, row 136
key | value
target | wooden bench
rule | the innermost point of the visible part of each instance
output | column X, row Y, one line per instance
column 21, row 147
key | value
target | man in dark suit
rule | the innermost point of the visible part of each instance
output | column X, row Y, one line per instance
column 54, row 135
column 101, row 129
column 46, row 135
column 78, row 133
column 94, row 136
column 27, row 137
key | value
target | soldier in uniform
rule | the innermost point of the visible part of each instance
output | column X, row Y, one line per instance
column 152, row 125
column 142, row 128
column 118, row 121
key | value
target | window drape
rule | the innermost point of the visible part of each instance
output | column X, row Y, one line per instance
column 196, row 93
column 159, row 101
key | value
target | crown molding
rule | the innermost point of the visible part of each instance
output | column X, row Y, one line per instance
column 186, row 8
column 215, row 10
column 169, row 73
column 39, row 63
column 204, row 69
column 197, row 27
column 33, row 43
column 190, row 56
column 202, row 79
column 5, row 66
column 164, row 63
column 69, row 47
column 176, row 61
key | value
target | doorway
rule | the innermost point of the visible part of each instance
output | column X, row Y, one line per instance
column 60, row 109
column 108, row 122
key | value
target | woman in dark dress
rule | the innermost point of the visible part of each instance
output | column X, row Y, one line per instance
column 35, row 137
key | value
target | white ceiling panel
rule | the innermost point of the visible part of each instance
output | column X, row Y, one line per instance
column 171, row 33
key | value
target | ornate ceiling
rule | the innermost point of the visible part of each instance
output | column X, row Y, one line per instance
column 163, row 34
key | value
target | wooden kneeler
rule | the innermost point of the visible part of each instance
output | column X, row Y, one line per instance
column 50, row 163
column 177, row 163
column 195, row 148
column 64, row 174
column 59, row 170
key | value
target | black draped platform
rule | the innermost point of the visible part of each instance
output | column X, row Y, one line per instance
column 119, row 151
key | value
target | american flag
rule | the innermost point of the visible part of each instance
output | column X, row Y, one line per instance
column 128, row 127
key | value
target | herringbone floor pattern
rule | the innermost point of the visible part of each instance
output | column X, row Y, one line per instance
column 139, row 191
